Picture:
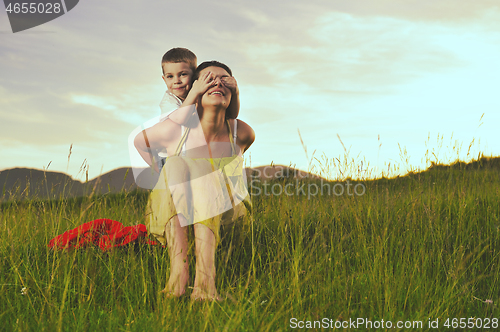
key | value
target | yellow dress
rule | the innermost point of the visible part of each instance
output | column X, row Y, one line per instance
column 217, row 198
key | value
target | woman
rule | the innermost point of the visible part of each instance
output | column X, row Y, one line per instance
column 202, row 183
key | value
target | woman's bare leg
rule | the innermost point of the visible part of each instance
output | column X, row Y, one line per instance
column 204, row 283
column 177, row 242
column 177, row 176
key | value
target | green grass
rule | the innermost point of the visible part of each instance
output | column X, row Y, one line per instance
column 419, row 247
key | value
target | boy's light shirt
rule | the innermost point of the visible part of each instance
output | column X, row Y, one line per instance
column 168, row 104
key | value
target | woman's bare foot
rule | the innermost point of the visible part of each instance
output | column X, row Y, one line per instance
column 177, row 248
column 169, row 294
column 176, row 286
column 199, row 295
column 204, row 282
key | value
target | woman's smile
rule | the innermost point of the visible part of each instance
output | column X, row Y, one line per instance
column 216, row 92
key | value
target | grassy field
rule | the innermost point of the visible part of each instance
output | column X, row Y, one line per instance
column 416, row 248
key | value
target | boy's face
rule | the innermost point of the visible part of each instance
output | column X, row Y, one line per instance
column 178, row 77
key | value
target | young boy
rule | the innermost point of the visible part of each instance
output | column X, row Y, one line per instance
column 178, row 105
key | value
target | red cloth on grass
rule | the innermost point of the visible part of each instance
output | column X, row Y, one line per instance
column 104, row 233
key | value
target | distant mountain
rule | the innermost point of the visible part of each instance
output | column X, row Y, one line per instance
column 22, row 183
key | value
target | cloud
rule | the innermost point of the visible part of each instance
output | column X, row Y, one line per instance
column 325, row 66
column 348, row 53
column 440, row 11
column 41, row 118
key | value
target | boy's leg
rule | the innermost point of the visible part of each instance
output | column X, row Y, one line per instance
column 177, row 242
column 204, row 283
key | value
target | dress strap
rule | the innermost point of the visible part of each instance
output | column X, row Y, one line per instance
column 233, row 148
column 235, row 132
column 182, row 142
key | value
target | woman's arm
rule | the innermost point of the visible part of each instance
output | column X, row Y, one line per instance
column 246, row 135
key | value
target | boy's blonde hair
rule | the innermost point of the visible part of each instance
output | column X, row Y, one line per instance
column 179, row 54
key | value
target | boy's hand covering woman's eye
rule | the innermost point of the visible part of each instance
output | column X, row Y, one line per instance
column 201, row 85
column 230, row 83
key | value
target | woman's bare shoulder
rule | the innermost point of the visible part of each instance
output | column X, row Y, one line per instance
column 246, row 135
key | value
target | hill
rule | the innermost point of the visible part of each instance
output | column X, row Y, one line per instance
column 22, row 183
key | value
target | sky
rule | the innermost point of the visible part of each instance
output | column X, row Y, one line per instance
column 374, row 87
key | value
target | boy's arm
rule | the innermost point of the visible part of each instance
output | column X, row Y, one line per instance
column 234, row 106
column 146, row 154
column 155, row 137
column 182, row 114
